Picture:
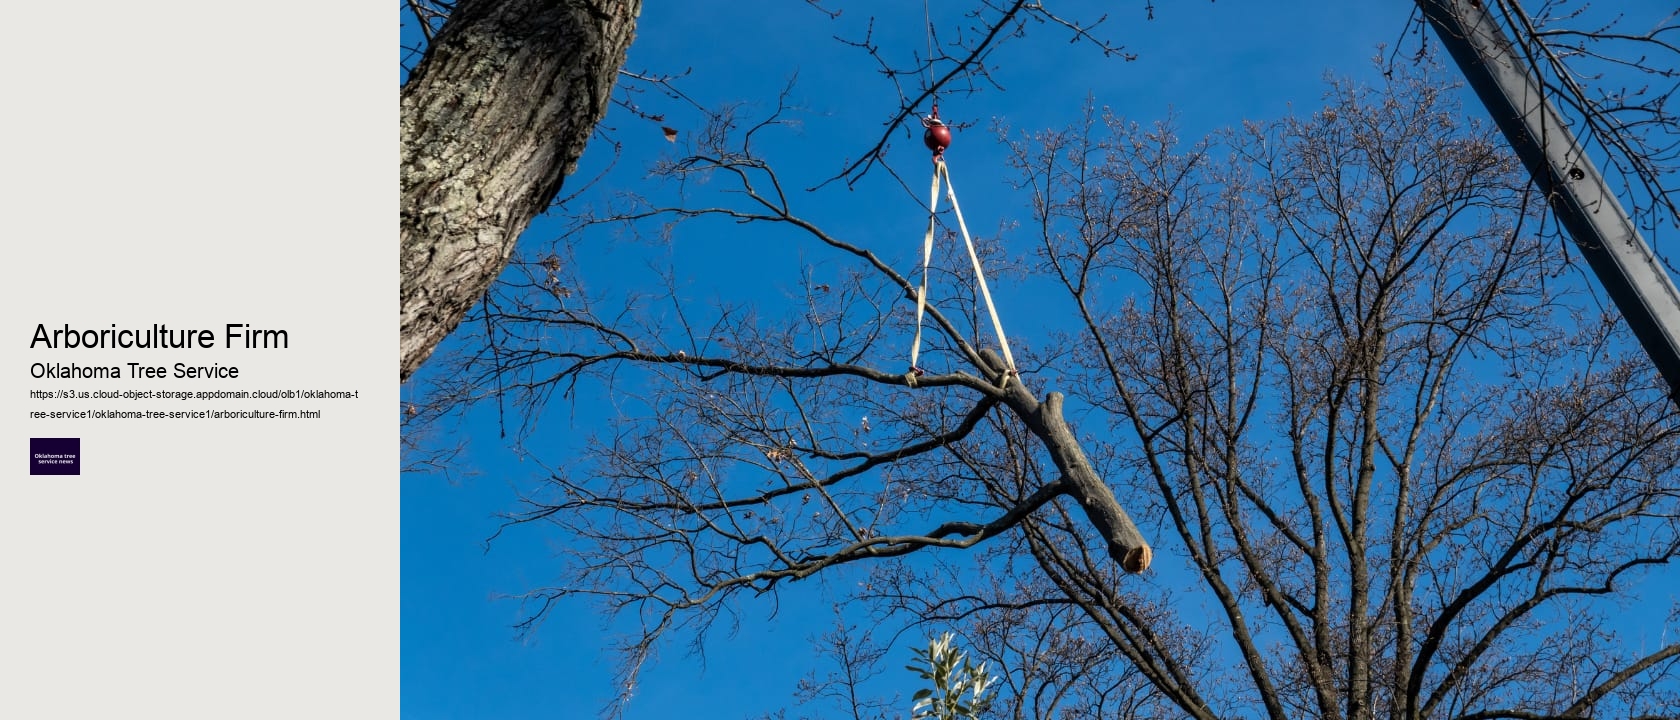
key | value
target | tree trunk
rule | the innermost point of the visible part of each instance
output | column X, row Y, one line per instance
column 493, row 119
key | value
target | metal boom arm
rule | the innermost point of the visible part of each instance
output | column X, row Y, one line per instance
column 1562, row 170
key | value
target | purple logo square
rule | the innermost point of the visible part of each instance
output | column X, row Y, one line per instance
column 55, row 456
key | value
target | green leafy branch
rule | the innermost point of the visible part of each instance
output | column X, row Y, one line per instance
column 954, row 679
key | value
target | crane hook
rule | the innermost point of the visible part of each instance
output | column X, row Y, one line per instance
column 938, row 134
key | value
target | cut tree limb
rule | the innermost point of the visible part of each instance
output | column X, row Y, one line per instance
column 1125, row 543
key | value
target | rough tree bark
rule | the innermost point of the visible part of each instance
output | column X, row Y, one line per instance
column 493, row 119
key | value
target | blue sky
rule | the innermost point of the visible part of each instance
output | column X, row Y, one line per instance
column 1210, row 65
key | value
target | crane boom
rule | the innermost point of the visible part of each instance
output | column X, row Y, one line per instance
column 1561, row 168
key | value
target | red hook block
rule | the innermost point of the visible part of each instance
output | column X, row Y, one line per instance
column 938, row 134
